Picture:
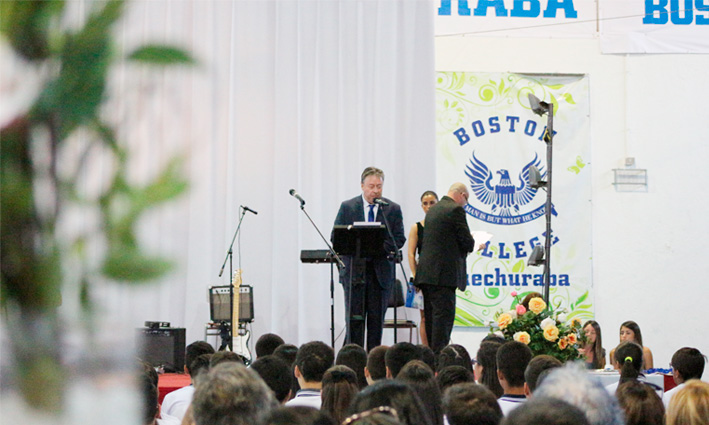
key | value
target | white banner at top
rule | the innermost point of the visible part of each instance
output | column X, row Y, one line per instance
column 654, row 26
column 517, row 18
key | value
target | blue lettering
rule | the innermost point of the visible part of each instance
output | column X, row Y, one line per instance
column 500, row 278
column 534, row 242
column 675, row 11
column 486, row 252
column 519, row 10
column 530, row 127
column 564, row 280
column 702, row 7
column 445, row 9
column 488, row 280
column 651, row 8
column 512, row 120
column 503, row 254
column 524, row 279
column 538, row 280
column 483, row 5
column 494, row 125
column 519, row 249
column 462, row 136
column 476, row 280
column 567, row 5
column 478, row 128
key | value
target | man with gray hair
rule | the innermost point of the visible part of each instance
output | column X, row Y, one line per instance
column 446, row 244
column 573, row 384
column 231, row 394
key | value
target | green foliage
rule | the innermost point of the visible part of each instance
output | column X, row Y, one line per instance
column 161, row 55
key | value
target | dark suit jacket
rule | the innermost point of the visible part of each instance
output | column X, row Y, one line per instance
column 446, row 244
column 353, row 210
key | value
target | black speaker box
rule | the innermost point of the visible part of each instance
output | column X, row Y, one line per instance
column 163, row 347
column 220, row 304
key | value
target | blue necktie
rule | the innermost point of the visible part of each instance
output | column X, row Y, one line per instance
column 371, row 213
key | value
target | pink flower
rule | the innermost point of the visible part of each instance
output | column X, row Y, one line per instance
column 520, row 309
column 513, row 293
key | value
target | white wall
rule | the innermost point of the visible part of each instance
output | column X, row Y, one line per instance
column 649, row 251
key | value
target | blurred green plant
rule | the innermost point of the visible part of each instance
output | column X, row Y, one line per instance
column 74, row 65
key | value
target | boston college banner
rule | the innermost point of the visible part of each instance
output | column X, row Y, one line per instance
column 488, row 137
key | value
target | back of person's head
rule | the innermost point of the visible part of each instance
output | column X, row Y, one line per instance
column 298, row 415
column 339, row 387
column 421, row 378
column 399, row 354
column 512, row 360
column 231, row 394
column 267, row 343
column 487, row 359
column 546, row 411
column 382, row 415
column 451, row 375
column 454, row 354
column 427, row 355
column 200, row 366
column 688, row 363
column 287, row 352
column 535, row 368
column 573, row 384
column 148, row 370
column 376, row 365
column 690, row 405
column 354, row 357
column 494, row 338
column 276, row 373
column 224, row 356
column 636, row 331
column 641, row 404
column 629, row 356
column 313, row 359
column 393, row 394
column 471, row 404
column 149, row 392
column 194, row 350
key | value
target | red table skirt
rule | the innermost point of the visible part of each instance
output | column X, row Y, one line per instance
column 169, row 382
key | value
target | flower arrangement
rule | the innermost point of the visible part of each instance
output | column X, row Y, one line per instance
column 541, row 328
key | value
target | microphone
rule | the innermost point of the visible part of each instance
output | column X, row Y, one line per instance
column 295, row 194
column 249, row 210
column 381, row 202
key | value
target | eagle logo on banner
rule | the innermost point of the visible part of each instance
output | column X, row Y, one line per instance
column 504, row 196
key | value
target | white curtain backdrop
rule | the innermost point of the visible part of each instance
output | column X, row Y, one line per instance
column 287, row 95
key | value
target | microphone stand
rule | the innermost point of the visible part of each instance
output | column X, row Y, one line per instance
column 398, row 259
column 229, row 256
column 340, row 265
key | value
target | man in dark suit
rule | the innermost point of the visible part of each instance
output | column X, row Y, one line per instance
column 446, row 244
column 369, row 281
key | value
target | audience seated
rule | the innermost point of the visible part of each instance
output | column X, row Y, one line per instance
column 277, row 374
column 630, row 331
column 593, row 350
column 382, row 415
column 471, row 404
column 398, row 355
column 641, row 404
column 690, row 405
column 176, row 403
column 311, row 362
column 267, row 343
column 451, row 375
column 149, row 391
column 354, row 357
column 486, row 367
column 287, row 352
column 454, row 354
column 687, row 363
column 339, row 387
column 512, row 360
column 394, row 394
column 546, row 411
column 299, row 415
column 628, row 358
column 573, row 384
column 224, row 356
column 534, row 370
column 427, row 355
column 419, row 376
column 231, row 394
column 376, row 365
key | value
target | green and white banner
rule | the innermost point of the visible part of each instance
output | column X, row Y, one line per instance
column 488, row 138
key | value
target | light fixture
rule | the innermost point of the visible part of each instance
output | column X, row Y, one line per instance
column 535, row 178
column 536, row 258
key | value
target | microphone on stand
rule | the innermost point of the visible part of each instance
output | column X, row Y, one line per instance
column 296, row 196
column 381, row 202
column 249, row 209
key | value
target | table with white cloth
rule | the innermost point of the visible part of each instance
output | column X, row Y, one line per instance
column 610, row 377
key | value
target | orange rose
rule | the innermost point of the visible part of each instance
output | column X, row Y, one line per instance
column 575, row 323
column 504, row 320
column 551, row 333
column 522, row 337
column 563, row 342
column 537, row 305
column 572, row 339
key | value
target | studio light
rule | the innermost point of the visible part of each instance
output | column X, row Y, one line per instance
column 536, row 258
column 538, row 107
column 535, row 178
